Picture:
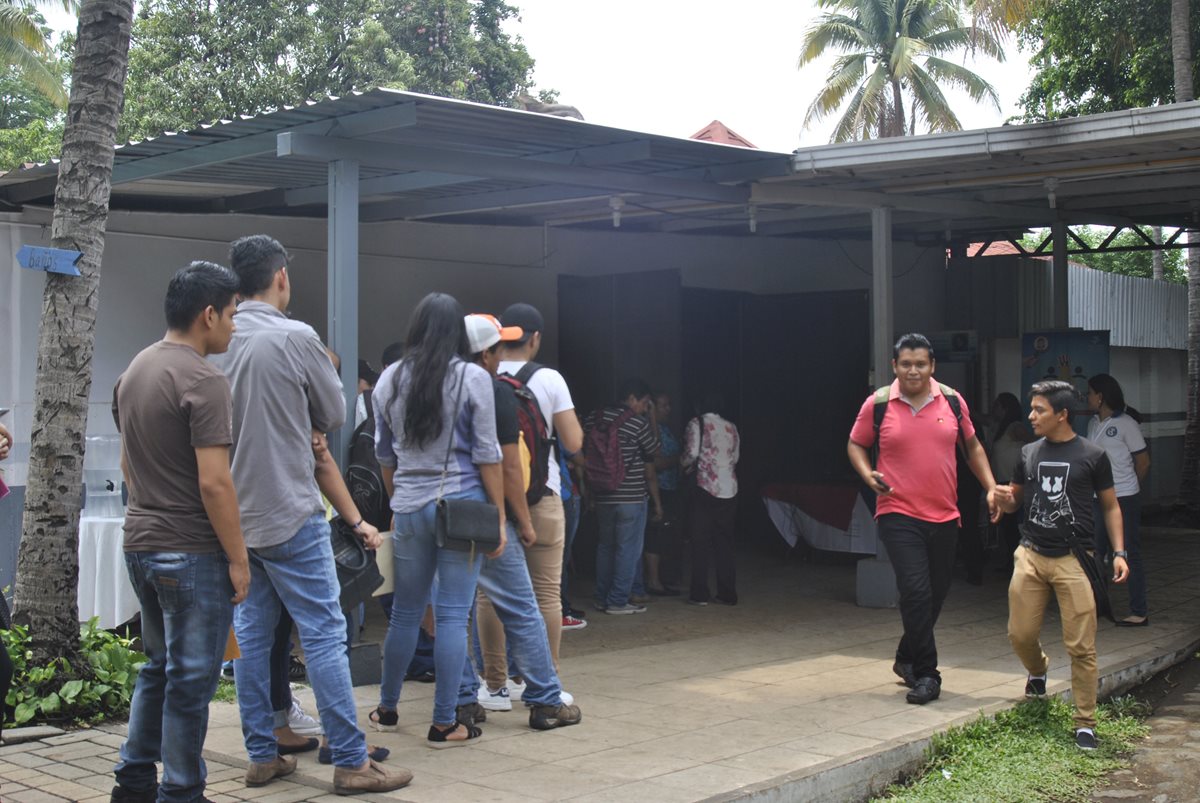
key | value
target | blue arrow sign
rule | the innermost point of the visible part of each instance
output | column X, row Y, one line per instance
column 51, row 260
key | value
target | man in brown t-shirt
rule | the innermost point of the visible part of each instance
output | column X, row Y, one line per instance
column 183, row 537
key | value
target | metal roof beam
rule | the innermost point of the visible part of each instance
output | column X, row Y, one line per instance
column 228, row 150
column 617, row 153
column 951, row 207
column 476, row 202
column 411, row 157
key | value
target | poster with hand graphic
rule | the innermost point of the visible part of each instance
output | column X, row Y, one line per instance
column 1071, row 355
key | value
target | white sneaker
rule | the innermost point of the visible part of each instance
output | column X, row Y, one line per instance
column 516, row 688
column 566, row 697
column 301, row 723
column 494, row 700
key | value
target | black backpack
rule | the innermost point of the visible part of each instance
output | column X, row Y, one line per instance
column 882, row 395
column 533, row 429
column 364, row 479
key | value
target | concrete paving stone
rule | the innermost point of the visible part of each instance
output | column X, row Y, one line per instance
column 638, row 790
column 33, row 796
column 95, row 764
column 67, row 772
column 70, row 738
column 96, row 799
column 30, row 733
column 20, row 747
column 834, row 744
column 69, row 790
column 222, row 799
column 457, row 792
column 552, row 781
column 774, row 760
column 224, row 774
column 667, row 719
column 702, row 779
column 69, row 752
column 114, row 740
column 28, row 759
column 284, row 792
column 228, row 785
column 605, row 733
column 101, row 783
column 654, row 759
column 546, row 745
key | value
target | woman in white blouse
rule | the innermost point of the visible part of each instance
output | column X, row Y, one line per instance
column 710, row 453
column 1118, row 433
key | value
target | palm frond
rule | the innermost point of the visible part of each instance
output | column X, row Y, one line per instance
column 831, row 31
column 904, row 52
column 846, row 74
column 17, row 26
column 34, row 70
column 934, row 108
column 956, row 75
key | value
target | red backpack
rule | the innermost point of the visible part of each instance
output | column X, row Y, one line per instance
column 532, row 424
column 603, row 459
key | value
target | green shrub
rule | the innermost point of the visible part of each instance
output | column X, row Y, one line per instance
column 98, row 687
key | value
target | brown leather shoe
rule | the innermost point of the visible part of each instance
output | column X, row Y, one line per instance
column 372, row 778
column 262, row 774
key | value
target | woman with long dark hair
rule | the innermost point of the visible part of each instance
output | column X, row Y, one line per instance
column 435, row 437
column 1114, row 429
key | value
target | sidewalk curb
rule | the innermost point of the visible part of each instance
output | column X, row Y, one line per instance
column 870, row 771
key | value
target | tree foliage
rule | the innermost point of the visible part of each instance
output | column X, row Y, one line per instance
column 1094, row 56
column 895, row 54
column 195, row 61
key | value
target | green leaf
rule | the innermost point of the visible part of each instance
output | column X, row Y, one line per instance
column 70, row 690
column 24, row 712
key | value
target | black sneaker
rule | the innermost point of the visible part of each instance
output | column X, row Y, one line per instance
column 548, row 717
column 926, row 690
column 1085, row 739
column 905, row 673
column 1035, row 687
column 471, row 714
column 122, row 795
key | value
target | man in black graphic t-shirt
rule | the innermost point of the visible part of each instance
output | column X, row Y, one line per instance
column 1059, row 473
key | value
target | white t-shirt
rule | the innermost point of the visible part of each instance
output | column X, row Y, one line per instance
column 1121, row 438
column 553, row 396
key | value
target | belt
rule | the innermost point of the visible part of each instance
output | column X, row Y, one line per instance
column 1050, row 553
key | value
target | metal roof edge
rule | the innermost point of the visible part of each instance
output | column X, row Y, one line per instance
column 986, row 143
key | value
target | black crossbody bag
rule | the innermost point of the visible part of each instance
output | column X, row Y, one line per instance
column 464, row 524
column 1096, row 571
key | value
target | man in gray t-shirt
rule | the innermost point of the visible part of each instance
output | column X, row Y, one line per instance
column 284, row 388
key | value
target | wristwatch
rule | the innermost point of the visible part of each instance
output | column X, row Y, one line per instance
column 1120, row 553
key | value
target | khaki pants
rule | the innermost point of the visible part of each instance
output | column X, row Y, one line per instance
column 545, row 560
column 1033, row 578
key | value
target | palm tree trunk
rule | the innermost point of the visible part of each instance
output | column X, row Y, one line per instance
column 1189, row 475
column 1156, row 259
column 47, row 563
column 897, row 109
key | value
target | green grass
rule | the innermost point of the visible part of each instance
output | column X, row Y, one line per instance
column 1024, row 754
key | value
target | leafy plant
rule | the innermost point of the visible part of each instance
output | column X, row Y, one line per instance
column 99, row 687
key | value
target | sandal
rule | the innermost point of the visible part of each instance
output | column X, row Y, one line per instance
column 439, row 737
column 384, row 720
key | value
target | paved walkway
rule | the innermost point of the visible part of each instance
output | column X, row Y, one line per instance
column 787, row 696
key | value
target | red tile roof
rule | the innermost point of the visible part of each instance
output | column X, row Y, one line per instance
column 716, row 131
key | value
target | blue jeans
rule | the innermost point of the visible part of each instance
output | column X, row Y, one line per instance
column 416, row 559
column 571, row 511
column 298, row 575
column 186, row 611
column 505, row 581
column 1131, row 515
column 618, row 551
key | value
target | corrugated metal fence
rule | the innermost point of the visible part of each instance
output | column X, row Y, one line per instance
column 1139, row 313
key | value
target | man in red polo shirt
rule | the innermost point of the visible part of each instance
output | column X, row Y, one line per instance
column 917, row 512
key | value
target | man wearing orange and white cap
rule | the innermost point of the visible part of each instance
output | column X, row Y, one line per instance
column 504, row 582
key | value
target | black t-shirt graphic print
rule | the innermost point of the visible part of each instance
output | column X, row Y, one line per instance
column 1060, row 480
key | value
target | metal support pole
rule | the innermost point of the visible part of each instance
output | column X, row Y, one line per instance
column 881, row 295
column 342, row 274
column 1059, row 283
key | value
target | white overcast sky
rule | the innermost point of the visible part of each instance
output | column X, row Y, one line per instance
column 670, row 66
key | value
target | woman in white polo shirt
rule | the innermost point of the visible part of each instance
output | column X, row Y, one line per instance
column 1119, row 434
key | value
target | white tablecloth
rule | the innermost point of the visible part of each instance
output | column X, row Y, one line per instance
column 104, row 587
